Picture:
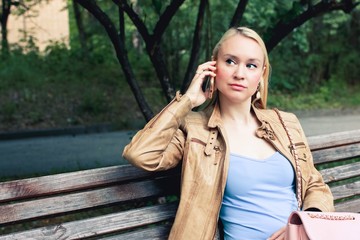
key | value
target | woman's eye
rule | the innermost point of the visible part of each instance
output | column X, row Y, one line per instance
column 251, row 66
column 230, row 61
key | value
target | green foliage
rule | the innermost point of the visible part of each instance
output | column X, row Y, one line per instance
column 59, row 88
column 332, row 95
column 316, row 53
column 16, row 70
column 8, row 110
column 288, row 60
column 94, row 102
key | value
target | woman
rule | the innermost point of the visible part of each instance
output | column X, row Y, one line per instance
column 236, row 165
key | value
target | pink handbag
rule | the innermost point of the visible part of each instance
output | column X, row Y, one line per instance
column 307, row 225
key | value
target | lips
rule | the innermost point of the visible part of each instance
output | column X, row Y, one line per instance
column 237, row 87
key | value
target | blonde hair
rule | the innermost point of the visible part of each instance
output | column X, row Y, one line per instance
column 264, row 81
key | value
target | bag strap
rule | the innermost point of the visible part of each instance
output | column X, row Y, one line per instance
column 295, row 155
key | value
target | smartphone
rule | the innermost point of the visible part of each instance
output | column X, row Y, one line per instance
column 208, row 86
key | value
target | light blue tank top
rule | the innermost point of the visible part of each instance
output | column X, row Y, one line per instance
column 259, row 197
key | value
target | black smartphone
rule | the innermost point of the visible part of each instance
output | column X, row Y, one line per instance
column 208, row 86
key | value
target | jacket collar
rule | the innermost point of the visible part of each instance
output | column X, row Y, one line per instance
column 215, row 120
column 214, row 116
column 272, row 130
column 270, row 127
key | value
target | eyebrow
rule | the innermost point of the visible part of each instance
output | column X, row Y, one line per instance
column 255, row 60
column 236, row 58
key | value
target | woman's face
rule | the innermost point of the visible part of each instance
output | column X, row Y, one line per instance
column 239, row 67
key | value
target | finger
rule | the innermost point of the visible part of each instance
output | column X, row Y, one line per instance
column 206, row 66
column 198, row 72
column 278, row 235
column 200, row 78
column 208, row 73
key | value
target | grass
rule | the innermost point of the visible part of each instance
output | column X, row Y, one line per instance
column 75, row 103
column 325, row 97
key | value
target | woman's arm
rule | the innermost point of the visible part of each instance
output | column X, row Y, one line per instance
column 317, row 193
column 159, row 145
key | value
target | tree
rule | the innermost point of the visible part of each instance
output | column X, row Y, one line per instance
column 296, row 14
column 152, row 42
column 296, row 17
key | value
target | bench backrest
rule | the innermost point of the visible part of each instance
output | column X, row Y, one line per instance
column 337, row 157
column 123, row 202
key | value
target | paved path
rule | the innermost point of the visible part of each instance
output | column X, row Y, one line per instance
column 45, row 155
column 330, row 124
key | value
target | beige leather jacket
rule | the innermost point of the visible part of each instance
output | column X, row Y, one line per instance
column 198, row 140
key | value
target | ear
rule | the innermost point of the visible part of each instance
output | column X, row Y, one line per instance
column 263, row 71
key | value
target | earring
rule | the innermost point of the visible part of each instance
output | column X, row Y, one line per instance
column 257, row 95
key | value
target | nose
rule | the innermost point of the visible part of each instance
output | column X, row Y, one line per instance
column 239, row 72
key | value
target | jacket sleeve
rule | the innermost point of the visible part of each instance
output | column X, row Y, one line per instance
column 159, row 145
column 316, row 192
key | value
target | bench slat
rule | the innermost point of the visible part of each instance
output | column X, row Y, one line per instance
column 334, row 139
column 349, row 206
column 347, row 190
column 341, row 172
column 336, row 153
column 154, row 233
column 83, row 200
column 99, row 225
column 64, row 182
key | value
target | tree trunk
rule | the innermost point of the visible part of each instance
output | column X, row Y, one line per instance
column 81, row 30
column 6, row 5
column 235, row 21
column 195, row 50
column 121, row 25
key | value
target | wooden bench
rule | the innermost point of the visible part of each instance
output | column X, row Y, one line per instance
column 123, row 202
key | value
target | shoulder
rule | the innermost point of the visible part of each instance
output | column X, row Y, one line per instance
column 272, row 115
column 273, row 118
column 196, row 118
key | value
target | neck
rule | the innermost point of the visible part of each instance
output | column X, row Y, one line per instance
column 236, row 113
